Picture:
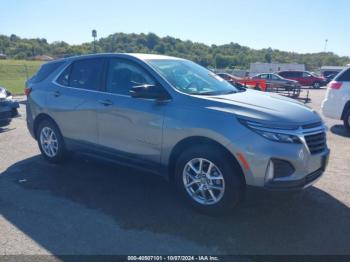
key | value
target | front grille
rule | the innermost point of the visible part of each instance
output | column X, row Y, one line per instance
column 313, row 125
column 316, row 142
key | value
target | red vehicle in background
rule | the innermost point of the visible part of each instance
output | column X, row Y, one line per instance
column 304, row 78
column 257, row 84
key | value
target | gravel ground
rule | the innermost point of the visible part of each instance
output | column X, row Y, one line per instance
column 90, row 207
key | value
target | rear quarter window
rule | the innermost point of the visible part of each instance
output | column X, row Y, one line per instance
column 44, row 71
column 345, row 76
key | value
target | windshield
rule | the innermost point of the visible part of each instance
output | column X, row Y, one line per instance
column 191, row 78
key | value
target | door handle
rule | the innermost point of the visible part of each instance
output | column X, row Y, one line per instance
column 105, row 102
column 56, row 93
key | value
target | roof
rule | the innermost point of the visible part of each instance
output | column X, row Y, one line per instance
column 135, row 55
column 152, row 56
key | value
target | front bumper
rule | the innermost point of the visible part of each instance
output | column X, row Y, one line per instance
column 307, row 181
column 305, row 161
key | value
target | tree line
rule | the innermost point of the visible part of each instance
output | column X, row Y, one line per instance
column 230, row 55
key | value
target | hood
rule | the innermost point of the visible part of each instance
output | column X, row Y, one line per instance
column 265, row 107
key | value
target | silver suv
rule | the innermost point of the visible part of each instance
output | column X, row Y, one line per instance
column 179, row 120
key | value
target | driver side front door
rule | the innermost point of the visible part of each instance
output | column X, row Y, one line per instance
column 131, row 127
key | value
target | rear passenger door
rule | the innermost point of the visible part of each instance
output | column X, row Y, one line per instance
column 130, row 127
column 75, row 100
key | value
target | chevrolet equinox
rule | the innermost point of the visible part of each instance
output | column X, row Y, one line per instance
column 177, row 119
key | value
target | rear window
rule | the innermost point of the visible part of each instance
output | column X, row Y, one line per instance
column 344, row 77
column 45, row 71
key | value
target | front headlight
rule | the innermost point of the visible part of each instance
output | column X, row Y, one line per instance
column 273, row 134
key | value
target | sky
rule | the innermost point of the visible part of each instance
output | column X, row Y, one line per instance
column 289, row 25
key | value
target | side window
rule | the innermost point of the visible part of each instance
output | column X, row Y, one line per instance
column 264, row 76
column 123, row 75
column 345, row 76
column 273, row 77
column 305, row 74
column 223, row 76
column 63, row 79
column 86, row 74
column 284, row 74
column 45, row 71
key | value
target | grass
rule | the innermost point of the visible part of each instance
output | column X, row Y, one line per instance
column 13, row 73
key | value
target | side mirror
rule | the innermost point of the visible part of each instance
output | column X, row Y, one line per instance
column 149, row 92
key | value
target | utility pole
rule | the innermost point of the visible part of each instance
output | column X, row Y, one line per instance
column 325, row 45
column 94, row 35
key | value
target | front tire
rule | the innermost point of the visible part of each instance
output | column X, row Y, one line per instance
column 50, row 141
column 209, row 180
column 347, row 120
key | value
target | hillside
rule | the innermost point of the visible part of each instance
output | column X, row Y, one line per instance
column 221, row 56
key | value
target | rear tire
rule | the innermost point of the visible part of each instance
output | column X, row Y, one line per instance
column 50, row 141
column 225, row 179
column 347, row 120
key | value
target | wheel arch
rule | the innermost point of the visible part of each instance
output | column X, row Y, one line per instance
column 346, row 108
column 38, row 119
column 198, row 140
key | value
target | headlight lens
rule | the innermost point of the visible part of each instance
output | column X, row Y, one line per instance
column 272, row 134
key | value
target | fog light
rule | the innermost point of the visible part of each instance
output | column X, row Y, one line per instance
column 278, row 168
column 282, row 168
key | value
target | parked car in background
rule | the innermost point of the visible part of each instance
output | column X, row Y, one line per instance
column 234, row 80
column 304, row 78
column 337, row 102
column 276, row 83
column 257, row 84
column 330, row 75
column 8, row 107
column 179, row 120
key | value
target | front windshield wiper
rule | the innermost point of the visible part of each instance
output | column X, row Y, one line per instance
column 214, row 93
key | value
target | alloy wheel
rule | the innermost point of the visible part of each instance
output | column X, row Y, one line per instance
column 203, row 181
column 49, row 142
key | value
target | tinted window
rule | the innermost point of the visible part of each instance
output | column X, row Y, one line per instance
column 285, row 74
column 224, row 76
column 86, row 74
column 291, row 74
column 63, row 79
column 264, row 76
column 345, row 76
column 274, row 77
column 45, row 71
column 305, row 74
column 123, row 75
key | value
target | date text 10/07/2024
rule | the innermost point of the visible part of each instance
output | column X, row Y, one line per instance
column 173, row 258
